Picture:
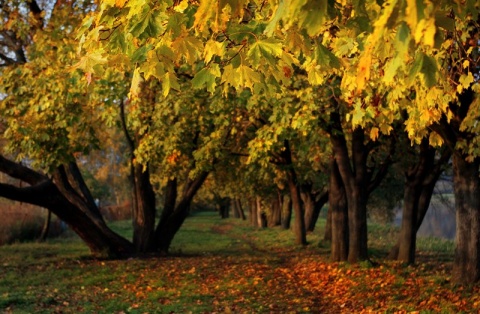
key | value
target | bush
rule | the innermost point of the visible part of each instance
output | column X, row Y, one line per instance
column 23, row 223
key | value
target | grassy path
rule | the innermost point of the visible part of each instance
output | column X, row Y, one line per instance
column 224, row 266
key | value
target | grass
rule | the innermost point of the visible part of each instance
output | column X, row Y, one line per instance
column 225, row 266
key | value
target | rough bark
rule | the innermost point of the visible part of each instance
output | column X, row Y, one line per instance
column 466, row 266
column 286, row 212
column 275, row 217
column 309, row 206
column 338, row 212
column 253, row 212
column 143, row 216
column 420, row 181
column 327, row 236
column 261, row 217
column 294, row 188
column 355, row 181
column 170, row 225
column 99, row 238
column 314, row 202
column 46, row 227
column 234, row 208
column 239, row 207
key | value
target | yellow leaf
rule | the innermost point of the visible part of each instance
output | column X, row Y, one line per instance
column 426, row 30
column 212, row 48
column 411, row 16
column 181, row 6
column 435, row 139
column 364, row 70
column 136, row 81
column 374, row 133
column 120, row 3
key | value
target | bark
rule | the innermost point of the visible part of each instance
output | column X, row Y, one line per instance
column 355, row 181
column 261, row 217
column 253, row 213
column 233, row 206
column 338, row 212
column 314, row 202
column 223, row 206
column 171, row 192
column 99, row 238
column 143, row 216
column 69, row 207
column 466, row 266
column 46, row 227
column 275, row 217
column 309, row 206
column 294, row 188
column 286, row 212
column 239, row 207
column 414, row 178
column 420, row 181
column 327, row 236
column 170, row 225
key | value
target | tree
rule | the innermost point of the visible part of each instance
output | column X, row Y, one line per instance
column 49, row 118
column 420, row 179
column 391, row 57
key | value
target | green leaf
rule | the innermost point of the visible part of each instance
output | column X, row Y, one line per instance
column 325, row 57
column 140, row 54
column 429, row 71
column 169, row 81
column 207, row 77
column 313, row 16
column 149, row 24
column 269, row 50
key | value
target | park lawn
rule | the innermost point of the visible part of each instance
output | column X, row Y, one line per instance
column 225, row 266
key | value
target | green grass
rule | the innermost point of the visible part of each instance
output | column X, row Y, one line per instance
column 226, row 266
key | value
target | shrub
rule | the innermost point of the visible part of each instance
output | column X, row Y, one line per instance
column 24, row 222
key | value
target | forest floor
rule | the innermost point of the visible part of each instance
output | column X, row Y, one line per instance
column 225, row 266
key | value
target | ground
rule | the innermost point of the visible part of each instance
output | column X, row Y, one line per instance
column 225, row 266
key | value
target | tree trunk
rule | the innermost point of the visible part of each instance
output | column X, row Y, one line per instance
column 327, row 236
column 253, row 212
column 466, row 266
column 286, row 212
column 46, row 227
column 65, row 203
column 299, row 222
column 238, row 205
column 355, row 182
column 408, row 230
column 143, row 216
column 338, row 211
column 313, row 205
column 420, row 182
column 169, row 226
column 309, row 205
column 275, row 217
column 260, row 213
column 233, row 206
column 294, row 188
column 223, row 205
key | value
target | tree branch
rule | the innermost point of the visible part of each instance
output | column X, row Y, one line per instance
column 21, row 172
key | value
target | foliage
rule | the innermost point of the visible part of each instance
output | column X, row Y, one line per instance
column 228, row 267
column 51, row 114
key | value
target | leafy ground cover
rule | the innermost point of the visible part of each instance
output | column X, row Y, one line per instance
column 224, row 266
